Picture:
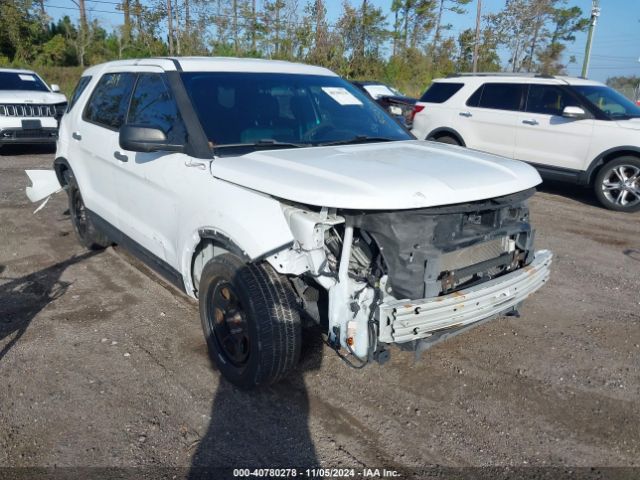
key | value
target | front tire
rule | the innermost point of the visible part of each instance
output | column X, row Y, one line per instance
column 86, row 232
column 251, row 321
column 617, row 184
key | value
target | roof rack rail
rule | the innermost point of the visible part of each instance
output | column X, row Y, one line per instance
column 499, row 74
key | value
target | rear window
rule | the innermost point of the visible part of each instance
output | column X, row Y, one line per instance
column 500, row 96
column 440, row 92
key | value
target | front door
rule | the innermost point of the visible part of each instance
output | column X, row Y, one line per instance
column 545, row 137
column 149, row 183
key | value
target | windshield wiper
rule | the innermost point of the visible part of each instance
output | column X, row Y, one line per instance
column 355, row 140
column 263, row 143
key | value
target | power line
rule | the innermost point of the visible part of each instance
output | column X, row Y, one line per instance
column 91, row 9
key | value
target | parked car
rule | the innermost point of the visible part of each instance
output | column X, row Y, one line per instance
column 570, row 129
column 397, row 104
column 277, row 193
column 29, row 109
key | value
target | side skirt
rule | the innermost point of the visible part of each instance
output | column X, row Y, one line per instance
column 560, row 174
column 152, row 261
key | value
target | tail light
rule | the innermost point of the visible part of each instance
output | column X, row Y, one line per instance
column 416, row 109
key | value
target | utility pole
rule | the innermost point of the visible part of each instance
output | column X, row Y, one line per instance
column 595, row 13
column 170, row 25
column 476, row 46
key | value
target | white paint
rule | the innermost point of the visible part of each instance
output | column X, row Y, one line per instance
column 394, row 175
column 542, row 139
column 44, row 183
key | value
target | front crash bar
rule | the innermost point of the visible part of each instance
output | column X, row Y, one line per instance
column 405, row 320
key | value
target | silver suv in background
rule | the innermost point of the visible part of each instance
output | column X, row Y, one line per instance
column 570, row 129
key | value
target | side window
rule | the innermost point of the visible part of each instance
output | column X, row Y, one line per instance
column 474, row 100
column 109, row 101
column 80, row 87
column 153, row 105
column 440, row 92
column 548, row 99
column 502, row 96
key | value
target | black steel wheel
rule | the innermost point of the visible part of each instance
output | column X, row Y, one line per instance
column 228, row 322
column 250, row 319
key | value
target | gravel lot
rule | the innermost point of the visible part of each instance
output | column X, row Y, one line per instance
column 103, row 364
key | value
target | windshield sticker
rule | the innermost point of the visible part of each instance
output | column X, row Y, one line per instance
column 341, row 95
column 377, row 91
column 27, row 78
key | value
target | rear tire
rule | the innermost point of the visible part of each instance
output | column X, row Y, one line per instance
column 617, row 184
column 449, row 140
column 251, row 321
column 86, row 232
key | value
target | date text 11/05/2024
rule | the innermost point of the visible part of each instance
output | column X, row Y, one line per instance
column 315, row 473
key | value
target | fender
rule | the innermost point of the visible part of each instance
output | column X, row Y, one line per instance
column 448, row 130
column 587, row 176
column 221, row 240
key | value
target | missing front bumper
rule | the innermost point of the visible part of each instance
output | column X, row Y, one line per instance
column 406, row 320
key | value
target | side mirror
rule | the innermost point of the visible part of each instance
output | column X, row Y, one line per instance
column 145, row 139
column 574, row 112
column 55, row 88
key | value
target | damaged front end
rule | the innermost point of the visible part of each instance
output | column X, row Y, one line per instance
column 411, row 277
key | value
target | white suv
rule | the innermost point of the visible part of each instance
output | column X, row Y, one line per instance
column 570, row 129
column 29, row 108
column 278, row 193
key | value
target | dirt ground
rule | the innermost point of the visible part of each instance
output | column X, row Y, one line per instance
column 102, row 364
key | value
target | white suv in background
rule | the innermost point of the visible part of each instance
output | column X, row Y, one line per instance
column 277, row 192
column 29, row 109
column 570, row 129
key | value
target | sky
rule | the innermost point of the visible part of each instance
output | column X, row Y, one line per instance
column 616, row 45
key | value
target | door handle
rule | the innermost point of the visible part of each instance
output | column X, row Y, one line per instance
column 76, row 136
column 120, row 156
column 466, row 114
column 530, row 122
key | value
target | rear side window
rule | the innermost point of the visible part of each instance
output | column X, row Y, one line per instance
column 440, row 92
column 153, row 105
column 501, row 96
column 80, row 87
column 109, row 101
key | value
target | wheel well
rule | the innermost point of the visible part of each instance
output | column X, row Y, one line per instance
column 608, row 157
column 435, row 135
column 60, row 165
column 205, row 250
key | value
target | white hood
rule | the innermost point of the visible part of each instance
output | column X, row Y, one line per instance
column 394, row 175
column 632, row 123
column 31, row 96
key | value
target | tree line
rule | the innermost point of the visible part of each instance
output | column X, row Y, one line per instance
column 407, row 44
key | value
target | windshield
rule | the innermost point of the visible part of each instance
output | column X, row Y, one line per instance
column 299, row 110
column 610, row 102
column 21, row 81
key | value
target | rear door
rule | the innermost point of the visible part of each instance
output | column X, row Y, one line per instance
column 488, row 121
column 545, row 137
column 95, row 138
